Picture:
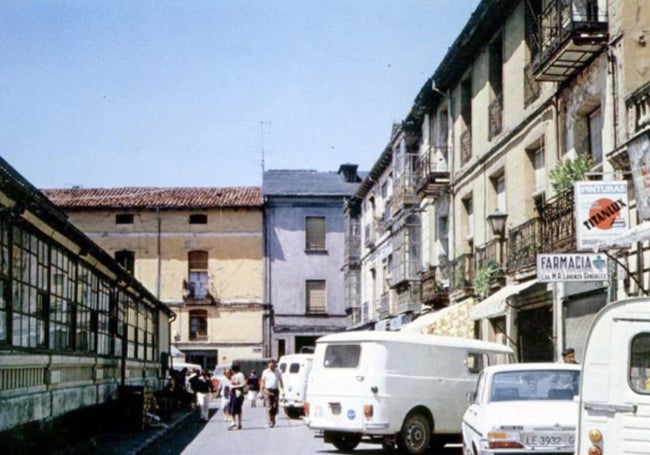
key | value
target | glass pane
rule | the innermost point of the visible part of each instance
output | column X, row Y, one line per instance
column 342, row 356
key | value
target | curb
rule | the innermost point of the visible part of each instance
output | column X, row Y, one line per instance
column 160, row 433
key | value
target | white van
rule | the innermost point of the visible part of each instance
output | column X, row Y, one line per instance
column 615, row 387
column 394, row 387
column 295, row 370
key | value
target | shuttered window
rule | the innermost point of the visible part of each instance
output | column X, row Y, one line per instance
column 315, row 233
column 316, row 298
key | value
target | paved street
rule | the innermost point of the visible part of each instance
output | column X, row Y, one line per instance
column 197, row 437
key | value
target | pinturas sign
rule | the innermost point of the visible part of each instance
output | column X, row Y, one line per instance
column 601, row 210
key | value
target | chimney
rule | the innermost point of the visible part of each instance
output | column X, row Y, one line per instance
column 349, row 173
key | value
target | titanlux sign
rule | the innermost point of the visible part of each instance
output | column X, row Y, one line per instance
column 601, row 210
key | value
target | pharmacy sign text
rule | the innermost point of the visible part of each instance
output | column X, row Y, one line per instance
column 571, row 267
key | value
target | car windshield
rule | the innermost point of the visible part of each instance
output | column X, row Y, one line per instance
column 535, row 385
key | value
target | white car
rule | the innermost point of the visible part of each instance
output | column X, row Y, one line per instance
column 523, row 408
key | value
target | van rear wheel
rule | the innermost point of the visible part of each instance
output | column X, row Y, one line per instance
column 345, row 442
column 293, row 413
column 415, row 436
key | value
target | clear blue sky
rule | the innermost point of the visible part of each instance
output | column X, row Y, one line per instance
column 189, row 93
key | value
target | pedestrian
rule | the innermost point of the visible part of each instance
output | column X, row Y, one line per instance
column 569, row 356
column 253, row 383
column 224, row 392
column 202, row 385
column 237, row 384
column 271, row 385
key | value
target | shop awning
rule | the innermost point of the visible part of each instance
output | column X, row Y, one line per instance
column 496, row 304
column 432, row 317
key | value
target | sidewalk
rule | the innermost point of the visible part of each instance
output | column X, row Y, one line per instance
column 124, row 442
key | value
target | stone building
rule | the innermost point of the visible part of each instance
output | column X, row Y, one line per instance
column 75, row 327
column 527, row 85
column 198, row 249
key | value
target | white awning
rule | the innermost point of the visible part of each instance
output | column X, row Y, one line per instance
column 496, row 304
column 430, row 318
column 176, row 353
column 639, row 233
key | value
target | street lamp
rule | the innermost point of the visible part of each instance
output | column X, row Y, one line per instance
column 497, row 221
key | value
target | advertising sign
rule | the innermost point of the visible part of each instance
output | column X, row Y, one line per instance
column 601, row 211
column 638, row 151
column 571, row 267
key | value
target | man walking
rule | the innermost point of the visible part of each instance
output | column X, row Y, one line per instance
column 271, row 386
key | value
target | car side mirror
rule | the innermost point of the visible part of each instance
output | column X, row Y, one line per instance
column 471, row 397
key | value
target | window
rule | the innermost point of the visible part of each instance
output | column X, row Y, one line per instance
column 315, row 233
column 198, row 325
column 124, row 218
column 468, row 225
column 595, row 135
column 443, row 236
column 475, row 362
column 639, row 373
column 495, row 109
column 316, row 298
column 499, row 183
column 126, row 259
column 198, row 218
column 198, row 274
column 62, row 309
column 342, row 356
column 5, row 283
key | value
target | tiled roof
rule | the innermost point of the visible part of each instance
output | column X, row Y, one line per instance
column 306, row 183
column 138, row 197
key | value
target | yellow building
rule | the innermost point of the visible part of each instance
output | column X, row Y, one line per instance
column 199, row 250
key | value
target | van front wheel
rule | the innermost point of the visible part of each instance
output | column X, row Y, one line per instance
column 415, row 436
column 345, row 442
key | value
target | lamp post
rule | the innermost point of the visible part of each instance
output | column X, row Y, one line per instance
column 497, row 221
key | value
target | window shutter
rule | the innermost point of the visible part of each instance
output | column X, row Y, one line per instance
column 315, row 233
column 198, row 260
column 316, row 302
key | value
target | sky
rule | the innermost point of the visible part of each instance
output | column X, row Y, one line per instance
column 171, row 93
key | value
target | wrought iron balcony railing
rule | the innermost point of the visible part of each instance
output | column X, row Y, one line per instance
column 571, row 33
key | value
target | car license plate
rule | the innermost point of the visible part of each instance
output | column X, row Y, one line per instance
column 549, row 439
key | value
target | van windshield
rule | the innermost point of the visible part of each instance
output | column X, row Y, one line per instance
column 342, row 356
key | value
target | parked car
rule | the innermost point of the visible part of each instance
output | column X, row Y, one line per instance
column 295, row 370
column 523, row 408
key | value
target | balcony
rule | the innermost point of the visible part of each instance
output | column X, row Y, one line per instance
column 495, row 113
column 197, row 293
column 404, row 195
column 558, row 224
column 432, row 179
column 383, row 309
column 532, row 87
column 461, row 274
column 408, row 299
column 524, row 244
column 572, row 32
column 432, row 291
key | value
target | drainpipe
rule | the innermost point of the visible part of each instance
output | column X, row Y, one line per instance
column 158, row 252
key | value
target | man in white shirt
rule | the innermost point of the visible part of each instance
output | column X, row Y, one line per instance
column 271, row 386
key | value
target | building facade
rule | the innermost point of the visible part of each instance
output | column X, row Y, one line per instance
column 527, row 86
column 198, row 249
column 304, row 253
column 75, row 327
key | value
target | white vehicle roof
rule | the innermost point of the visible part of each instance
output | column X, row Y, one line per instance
column 288, row 357
column 531, row 366
column 411, row 337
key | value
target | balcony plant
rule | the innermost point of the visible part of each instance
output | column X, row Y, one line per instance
column 486, row 275
column 566, row 172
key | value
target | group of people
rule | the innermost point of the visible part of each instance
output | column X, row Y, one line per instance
column 235, row 386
